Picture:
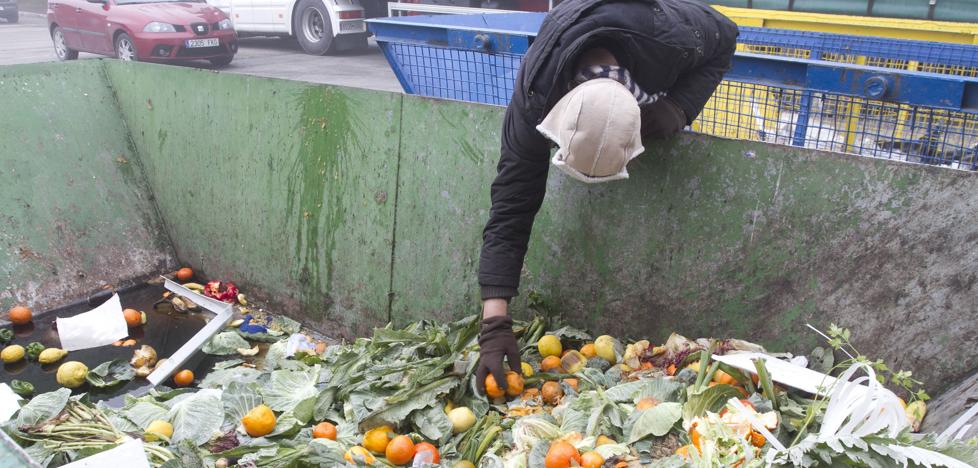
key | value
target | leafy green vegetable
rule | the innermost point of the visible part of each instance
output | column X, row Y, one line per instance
column 433, row 423
column 198, row 417
column 144, row 412
column 6, row 336
column 110, row 373
column 22, row 388
column 655, row 421
column 222, row 378
column 43, row 407
column 225, row 343
column 288, row 388
column 711, row 399
column 238, row 399
column 661, row 389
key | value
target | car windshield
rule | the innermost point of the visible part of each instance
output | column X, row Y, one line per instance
column 137, row 2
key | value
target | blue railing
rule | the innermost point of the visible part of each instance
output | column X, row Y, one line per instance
column 852, row 94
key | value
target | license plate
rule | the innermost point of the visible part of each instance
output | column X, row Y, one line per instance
column 351, row 26
column 194, row 43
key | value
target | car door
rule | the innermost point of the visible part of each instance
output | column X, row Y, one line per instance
column 67, row 19
column 92, row 19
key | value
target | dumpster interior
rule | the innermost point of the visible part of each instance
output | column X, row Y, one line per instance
column 349, row 209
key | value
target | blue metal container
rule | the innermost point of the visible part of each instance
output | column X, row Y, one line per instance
column 833, row 92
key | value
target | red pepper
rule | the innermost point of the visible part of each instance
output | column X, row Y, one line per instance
column 226, row 291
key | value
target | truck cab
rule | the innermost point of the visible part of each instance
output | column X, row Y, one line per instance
column 320, row 26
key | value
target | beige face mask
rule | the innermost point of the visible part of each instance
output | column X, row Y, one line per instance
column 598, row 129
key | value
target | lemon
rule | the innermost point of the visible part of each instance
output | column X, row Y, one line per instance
column 464, row 464
column 607, row 348
column 158, row 428
column 449, row 406
column 527, row 369
column 51, row 355
column 357, row 455
column 72, row 374
column 549, row 345
column 12, row 353
column 462, row 419
column 259, row 422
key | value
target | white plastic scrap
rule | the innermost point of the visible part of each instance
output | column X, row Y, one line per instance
column 100, row 326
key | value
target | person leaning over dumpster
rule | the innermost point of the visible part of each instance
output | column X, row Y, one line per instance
column 600, row 76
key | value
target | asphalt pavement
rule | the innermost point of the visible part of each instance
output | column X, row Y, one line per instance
column 28, row 42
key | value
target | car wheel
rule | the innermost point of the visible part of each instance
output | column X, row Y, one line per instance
column 222, row 62
column 312, row 27
column 14, row 19
column 125, row 48
column 60, row 48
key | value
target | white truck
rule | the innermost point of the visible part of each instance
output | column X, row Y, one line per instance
column 324, row 26
column 320, row 26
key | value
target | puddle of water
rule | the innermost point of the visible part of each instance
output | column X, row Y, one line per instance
column 165, row 330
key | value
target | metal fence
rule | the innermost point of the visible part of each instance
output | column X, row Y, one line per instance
column 898, row 99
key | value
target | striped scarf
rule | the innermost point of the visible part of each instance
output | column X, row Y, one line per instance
column 620, row 75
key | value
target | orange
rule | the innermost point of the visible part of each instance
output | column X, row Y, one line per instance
column 400, row 451
column 376, row 439
column 694, row 436
column 259, row 422
column 756, row 439
column 550, row 363
column 551, row 392
column 134, row 318
column 592, row 459
column 324, row 430
column 604, row 440
column 20, row 315
column 514, row 384
column 588, row 351
column 530, row 393
column 358, row 455
column 561, row 454
column 184, row 274
column 492, row 388
column 646, row 403
column 183, row 378
column 572, row 383
column 722, row 377
column 426, row 447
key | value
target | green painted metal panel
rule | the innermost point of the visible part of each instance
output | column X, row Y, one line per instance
column 76, row 213
column 284, row 187
column 307, row 195
column 707, row 237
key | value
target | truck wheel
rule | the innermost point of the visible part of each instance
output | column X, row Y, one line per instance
column 60, row 48
column 312, row 27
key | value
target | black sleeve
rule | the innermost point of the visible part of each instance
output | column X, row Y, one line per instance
column 517, row 193
column 694, row 88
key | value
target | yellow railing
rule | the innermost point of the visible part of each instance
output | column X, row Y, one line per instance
column 938, row 31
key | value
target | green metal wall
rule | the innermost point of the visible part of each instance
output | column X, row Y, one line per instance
column 348, row 208
column 283, row 187
column 76, row 213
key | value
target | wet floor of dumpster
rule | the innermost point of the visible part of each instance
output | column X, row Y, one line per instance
column 166, row 330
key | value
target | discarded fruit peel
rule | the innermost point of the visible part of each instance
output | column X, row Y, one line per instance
column 407, row 378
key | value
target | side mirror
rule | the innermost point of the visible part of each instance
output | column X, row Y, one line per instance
column 103, row 2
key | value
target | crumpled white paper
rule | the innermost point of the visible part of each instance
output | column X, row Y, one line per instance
column 129, row 454
column 100, row 326
column 9, row 402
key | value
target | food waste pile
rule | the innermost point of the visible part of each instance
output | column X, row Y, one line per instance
column 278, row 397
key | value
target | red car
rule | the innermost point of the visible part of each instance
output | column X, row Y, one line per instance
column 153, row 31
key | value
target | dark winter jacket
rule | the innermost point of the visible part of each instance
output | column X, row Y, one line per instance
column 679, row 46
